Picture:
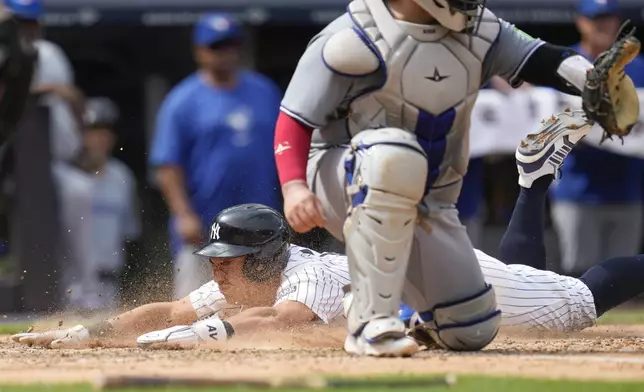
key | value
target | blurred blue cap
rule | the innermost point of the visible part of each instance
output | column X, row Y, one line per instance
column 594, row 8
column 26, row 9
column 214, row 28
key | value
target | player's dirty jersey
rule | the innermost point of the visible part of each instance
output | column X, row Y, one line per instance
column 311, row 278
column 367, row 70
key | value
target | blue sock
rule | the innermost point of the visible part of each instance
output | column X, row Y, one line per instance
column 523, row 242
column 405, row 313
column 615, row 281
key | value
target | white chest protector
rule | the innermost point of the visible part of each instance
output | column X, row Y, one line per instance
column 433, row 76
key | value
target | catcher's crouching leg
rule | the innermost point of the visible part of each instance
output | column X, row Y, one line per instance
column 386, row 174
column 466, row 325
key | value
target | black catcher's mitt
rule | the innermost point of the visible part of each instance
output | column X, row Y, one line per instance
column 609, row 97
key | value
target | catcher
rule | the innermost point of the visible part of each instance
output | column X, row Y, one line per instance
column 372, row 144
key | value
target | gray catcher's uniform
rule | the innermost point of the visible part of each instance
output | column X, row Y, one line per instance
column 390, row 102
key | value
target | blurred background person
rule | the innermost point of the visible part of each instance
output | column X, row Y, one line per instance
column 597, row 203
column 17, row 61
column 53, row 81
column 212, row 147
column 53, row 86
column 114, row 217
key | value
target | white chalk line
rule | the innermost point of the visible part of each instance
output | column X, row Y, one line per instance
column 634, row 358
column 586, row 358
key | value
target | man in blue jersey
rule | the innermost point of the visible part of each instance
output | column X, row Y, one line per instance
column 213, row 143
column 597, row 204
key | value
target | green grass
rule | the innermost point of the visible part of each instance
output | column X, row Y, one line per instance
column 623, row 317
column 11, row 328
column 463, row 384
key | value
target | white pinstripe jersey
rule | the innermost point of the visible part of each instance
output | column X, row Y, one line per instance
column 527, row 297
column 311, row 278
column 533, row 298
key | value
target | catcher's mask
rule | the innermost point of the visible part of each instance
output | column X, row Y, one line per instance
column 253, row 230
column 456, row 15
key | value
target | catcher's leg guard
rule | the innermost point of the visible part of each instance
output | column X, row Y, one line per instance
column 466, row 325
column 386, row 174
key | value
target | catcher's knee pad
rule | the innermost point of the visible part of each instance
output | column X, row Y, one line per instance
column 386, row 175
column 466, row 325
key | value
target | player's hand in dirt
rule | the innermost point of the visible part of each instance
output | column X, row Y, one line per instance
column 302, row 208
column 189, row 228
column 60, row 338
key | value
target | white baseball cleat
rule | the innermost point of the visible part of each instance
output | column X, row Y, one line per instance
column 384, row 337
column 543, row 153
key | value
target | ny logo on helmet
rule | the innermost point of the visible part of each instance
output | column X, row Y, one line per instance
column 214, row 231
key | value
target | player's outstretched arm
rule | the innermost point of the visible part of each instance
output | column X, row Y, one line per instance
column 286, row 314
column 518, row 57
column 154, row 316
column 148, row 317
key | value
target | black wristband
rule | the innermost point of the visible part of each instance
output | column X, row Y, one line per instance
column 541, row 68
column 230, row 331
column 104, row 329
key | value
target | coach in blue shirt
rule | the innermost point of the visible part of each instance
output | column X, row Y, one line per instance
column 597, row 205
column 213, row 146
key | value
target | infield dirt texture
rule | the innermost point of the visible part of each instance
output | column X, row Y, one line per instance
column 607, row 352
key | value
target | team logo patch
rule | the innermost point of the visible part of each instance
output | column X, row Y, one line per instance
column 214, row 231
column 437, row 77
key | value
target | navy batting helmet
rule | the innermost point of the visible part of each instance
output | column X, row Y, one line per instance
column 100, row 112
column 253, row 230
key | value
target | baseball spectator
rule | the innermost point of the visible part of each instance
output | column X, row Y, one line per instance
column 53, row 84
column 597, row 205
column 213, row 143
column 17, row 61
column 114, row 216
column 53, row 80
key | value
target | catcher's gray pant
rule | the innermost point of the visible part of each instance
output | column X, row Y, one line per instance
column 442, row 267
column 590, row 234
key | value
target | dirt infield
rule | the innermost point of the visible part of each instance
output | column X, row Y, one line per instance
column 604, row 352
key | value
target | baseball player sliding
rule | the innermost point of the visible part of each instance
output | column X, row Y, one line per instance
column 256, row 266
column 381, row 99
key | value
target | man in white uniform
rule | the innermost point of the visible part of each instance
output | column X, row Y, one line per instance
column 305, row 286
column 279, row 284
column 53, row 83
column 107, row 219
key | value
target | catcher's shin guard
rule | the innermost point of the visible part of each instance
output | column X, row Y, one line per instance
column 466, row 325
column 386, row 173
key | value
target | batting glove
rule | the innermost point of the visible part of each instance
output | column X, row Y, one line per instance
column 60, row 338
column 207, row 330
